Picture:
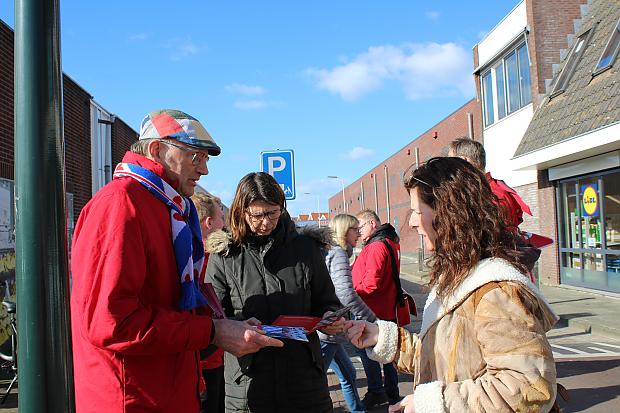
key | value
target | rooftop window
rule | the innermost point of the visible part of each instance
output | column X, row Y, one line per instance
column 571, row 63
column 610, row 52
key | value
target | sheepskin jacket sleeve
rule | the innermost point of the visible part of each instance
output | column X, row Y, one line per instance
column 489, row 353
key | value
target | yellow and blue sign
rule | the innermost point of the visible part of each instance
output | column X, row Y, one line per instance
column 589, row 200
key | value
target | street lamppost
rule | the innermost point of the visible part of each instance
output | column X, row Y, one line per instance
column 317, row 200
column 318, row 213
column 344, row 202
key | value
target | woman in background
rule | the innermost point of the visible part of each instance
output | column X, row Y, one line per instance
column 345, row 230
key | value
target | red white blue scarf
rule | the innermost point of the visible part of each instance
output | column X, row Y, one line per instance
column 186, row 234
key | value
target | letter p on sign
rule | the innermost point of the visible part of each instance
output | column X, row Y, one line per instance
column 280, row 165
column 276, row 164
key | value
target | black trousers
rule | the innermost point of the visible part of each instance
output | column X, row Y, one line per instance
column 213, row 400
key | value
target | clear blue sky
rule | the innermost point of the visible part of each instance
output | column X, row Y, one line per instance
column 345, row 84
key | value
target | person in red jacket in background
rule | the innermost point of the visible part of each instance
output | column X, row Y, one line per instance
column 373, row 280
column 211, row 217
column 511, row 203
column 136, row 255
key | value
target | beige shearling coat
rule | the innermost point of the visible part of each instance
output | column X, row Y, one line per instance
column 482, row 349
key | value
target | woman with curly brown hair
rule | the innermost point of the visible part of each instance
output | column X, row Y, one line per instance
column 482, row 344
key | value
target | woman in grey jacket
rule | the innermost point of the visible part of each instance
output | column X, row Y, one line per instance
column 346, row 233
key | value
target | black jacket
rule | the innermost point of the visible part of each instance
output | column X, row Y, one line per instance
column 282, row 274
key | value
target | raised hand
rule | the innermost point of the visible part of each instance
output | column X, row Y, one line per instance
column 362, row 333
column 241, row 337
column 334, row 328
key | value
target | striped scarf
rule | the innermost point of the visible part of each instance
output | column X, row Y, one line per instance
column 186, row 234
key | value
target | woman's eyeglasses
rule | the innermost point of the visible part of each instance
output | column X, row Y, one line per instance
column 270, row 215
column 198, row 157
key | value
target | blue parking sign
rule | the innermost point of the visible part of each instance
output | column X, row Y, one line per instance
column 280, row 165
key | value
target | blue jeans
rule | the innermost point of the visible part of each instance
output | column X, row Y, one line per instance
column 373, row 375
column 337, row 359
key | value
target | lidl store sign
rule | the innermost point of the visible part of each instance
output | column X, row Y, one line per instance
column 589, row 200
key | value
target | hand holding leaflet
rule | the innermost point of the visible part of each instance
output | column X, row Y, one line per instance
column 310, row 324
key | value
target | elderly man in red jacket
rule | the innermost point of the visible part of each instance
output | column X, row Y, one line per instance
column 373, row 280
column 510, row 202
column 137, row 251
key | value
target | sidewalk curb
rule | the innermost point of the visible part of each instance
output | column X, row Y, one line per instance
column 589, row 327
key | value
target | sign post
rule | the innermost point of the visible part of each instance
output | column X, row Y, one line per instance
column 280, row 164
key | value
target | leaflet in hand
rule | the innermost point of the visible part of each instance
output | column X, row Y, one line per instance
column 310, row 324
column 292, row 333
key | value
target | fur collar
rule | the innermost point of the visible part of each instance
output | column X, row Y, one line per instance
column 218, row 242
column 486, row 271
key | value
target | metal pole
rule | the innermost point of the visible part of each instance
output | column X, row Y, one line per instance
column 362, row 195
column 45, row 362
column 344, row 201
column 387, row 192
column 374, row 177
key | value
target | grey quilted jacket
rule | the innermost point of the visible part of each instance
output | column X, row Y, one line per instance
column 337, row 261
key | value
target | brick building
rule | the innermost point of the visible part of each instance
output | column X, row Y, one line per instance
column 381, row 188
column 95, row 141
column 573, row 143
column 514, row 64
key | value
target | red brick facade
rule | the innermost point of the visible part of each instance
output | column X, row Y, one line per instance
column 6, row 102
column 433, row 142
column 549, row 21
column 77, row 128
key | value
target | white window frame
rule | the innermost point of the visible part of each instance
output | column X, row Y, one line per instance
column 492, row 70
column 100, row 146
column 615, row 34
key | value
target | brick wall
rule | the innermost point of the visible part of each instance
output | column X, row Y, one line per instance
column 122, row 138
column 6, row 102
column 77, row 143
column 77, row 128
column 548, row 225
column 453, row 126
column 529, row 193
column 550, row 21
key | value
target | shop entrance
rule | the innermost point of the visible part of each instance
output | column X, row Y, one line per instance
column 590, row 231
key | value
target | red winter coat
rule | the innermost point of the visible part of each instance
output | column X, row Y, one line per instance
column 215, row 359
column 134, row 351
column 511, row 203
column 373, row 280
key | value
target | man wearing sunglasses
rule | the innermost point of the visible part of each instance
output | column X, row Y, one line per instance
column 137, row 252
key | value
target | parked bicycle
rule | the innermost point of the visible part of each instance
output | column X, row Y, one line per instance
column 9, row 361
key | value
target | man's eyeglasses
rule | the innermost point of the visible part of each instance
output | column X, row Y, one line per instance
column 362, row 226
column 198, row 157
column 270, row 215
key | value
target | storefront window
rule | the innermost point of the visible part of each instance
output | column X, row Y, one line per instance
column 611, row 205
column 590, row 216
column 590, row 231
column 571, row 237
